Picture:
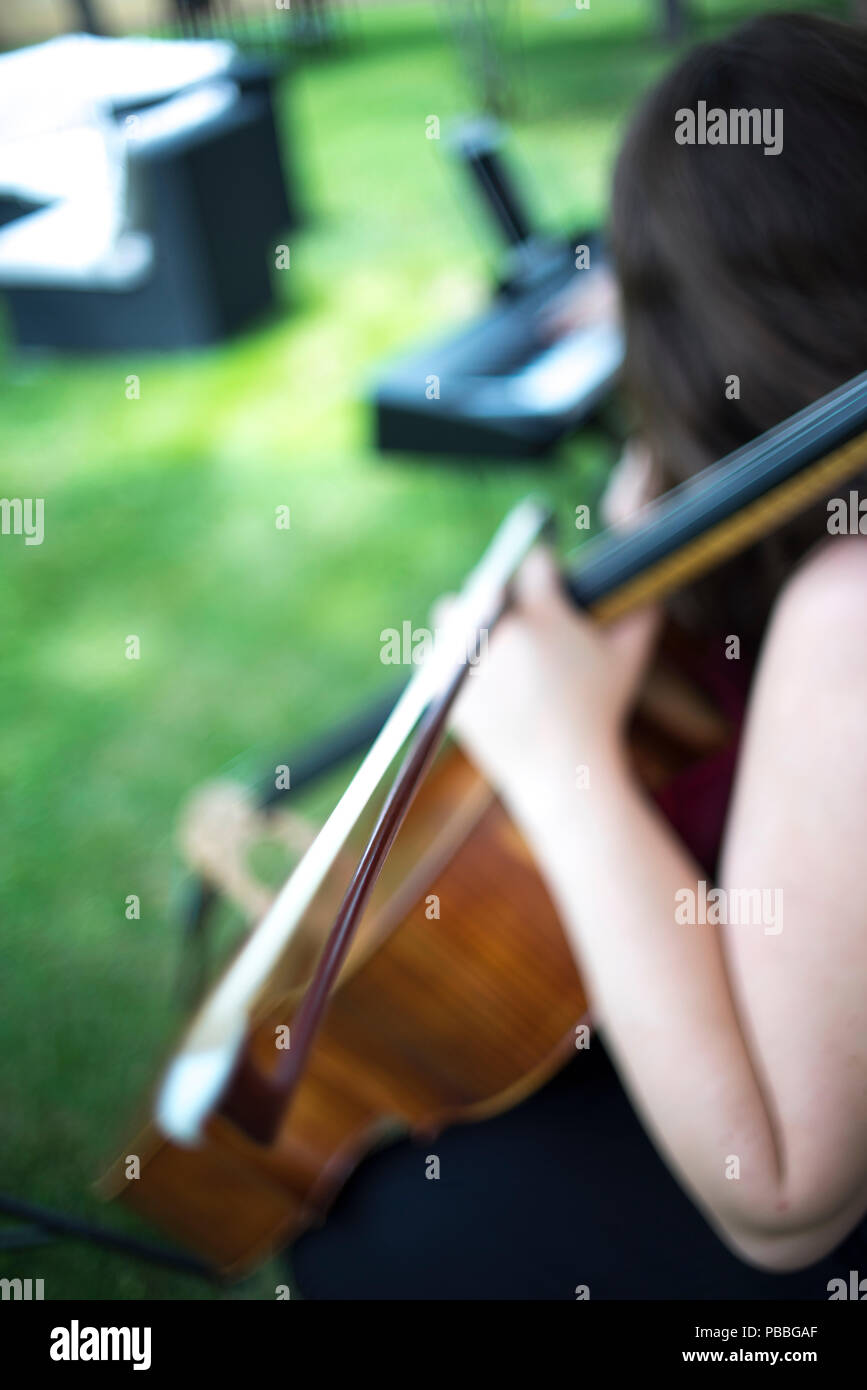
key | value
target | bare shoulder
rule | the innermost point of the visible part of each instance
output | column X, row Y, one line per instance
column 818, row 627
column 802, row 769
column 807, row 706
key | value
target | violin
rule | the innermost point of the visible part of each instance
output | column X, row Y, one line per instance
column 437, row 985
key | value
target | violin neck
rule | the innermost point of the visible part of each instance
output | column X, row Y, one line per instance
column 726, row 508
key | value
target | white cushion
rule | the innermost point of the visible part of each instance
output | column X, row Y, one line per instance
column 71, row 245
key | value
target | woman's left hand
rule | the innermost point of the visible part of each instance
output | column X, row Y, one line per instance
column 551, row 694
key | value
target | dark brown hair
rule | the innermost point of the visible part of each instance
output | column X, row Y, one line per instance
column 732, row 262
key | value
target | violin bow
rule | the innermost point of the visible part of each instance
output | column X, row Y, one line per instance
column 212, row 1064
column 694, row 527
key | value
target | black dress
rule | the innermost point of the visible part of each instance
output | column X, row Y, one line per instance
column 563, row 1193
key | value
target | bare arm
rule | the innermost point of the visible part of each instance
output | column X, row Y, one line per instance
column 744, row 1047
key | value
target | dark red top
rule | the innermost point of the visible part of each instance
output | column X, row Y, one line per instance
column 696, row 800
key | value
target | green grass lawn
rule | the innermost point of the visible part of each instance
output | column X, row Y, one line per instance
column 160, row 523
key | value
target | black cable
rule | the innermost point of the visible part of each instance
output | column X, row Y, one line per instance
column 58, row 1223
column 349, row 738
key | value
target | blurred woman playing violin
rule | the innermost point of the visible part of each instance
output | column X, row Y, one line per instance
column 712, row 1142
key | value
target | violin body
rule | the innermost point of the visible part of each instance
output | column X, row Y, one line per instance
column 460, row 996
